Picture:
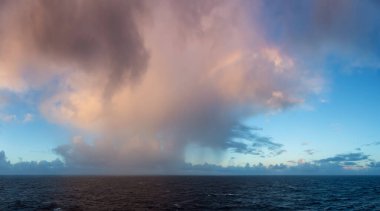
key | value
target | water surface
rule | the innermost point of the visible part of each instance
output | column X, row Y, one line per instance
column 190, row 192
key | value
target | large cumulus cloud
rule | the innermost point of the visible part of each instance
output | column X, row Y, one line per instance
column 148, row 78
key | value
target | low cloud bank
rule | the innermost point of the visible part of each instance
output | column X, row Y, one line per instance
column 57, row 167
column 30, row 167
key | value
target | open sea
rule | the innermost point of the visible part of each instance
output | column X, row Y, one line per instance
column 189, row 192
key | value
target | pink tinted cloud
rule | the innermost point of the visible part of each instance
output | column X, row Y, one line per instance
column 149, row 77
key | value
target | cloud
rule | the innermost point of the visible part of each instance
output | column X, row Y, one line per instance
column 8, row 117
column 304, row 168
column 297, row 168
column 245, row 141
column 147, row 79
column 335, row 34
column 310, row 151
column 28, row 118
column 4, row 164
column 32, row 167
column 89, row 37
column 346, row 31
column 349, row 157
column 281, row 152
column 374, row 165
column 349, row 163
column 3, row 100
column 377, row 143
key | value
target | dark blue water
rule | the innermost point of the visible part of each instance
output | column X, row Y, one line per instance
column 190, row 192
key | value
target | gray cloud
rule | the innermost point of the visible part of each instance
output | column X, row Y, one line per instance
column 349, row 157
column 310, row 151
column 374, row 165
column 317, row 23
column 314, row 28
column 32, row 167
column 349, row 163
column 4, row 164
column 307, row 168
column 244, row 140
column 89, row 35
column 280, row 152
column 297, row 168
column 377, row 143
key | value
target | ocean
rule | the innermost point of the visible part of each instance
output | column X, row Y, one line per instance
column 189, row 192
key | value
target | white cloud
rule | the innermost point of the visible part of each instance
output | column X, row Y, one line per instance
column 8, row 117
column 28, row 118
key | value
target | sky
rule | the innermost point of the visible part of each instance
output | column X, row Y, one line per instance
column 189, row 87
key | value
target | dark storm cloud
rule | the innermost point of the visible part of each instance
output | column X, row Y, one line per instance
column 91, row 35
